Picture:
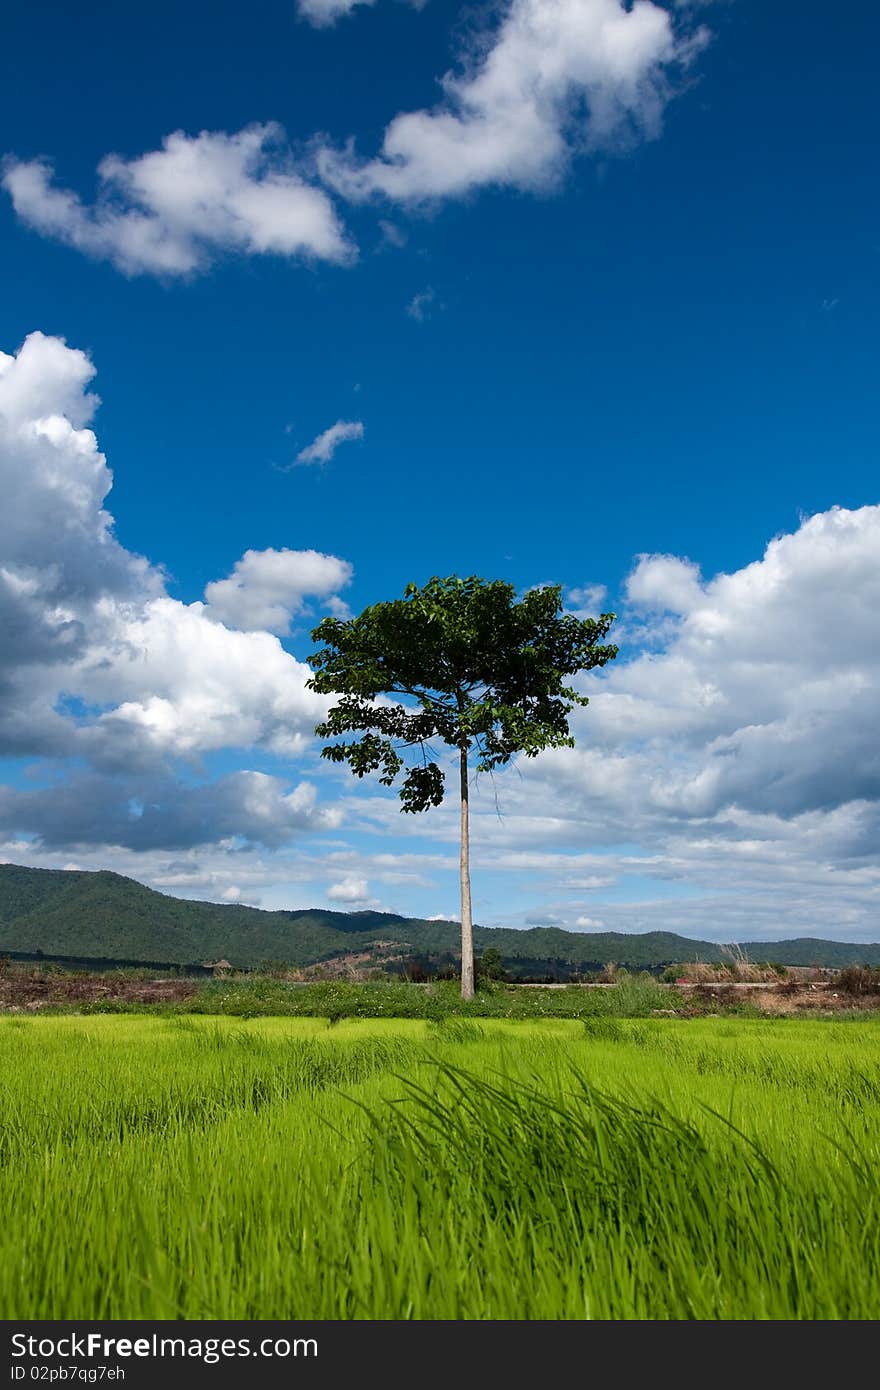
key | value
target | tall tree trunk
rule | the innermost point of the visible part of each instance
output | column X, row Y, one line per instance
column 467, row 927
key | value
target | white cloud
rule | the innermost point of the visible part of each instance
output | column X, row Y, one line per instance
column 176, row 683
column 392, row 235
column 768, row 690
column 268, row 587
column 421, row 304
column 337, row 607
column 98, row 661
column 588, row 924
column 323, row 13
column 322, row 449
column 664, row 583
column 586, row 601
column 173, row 210
column 558, row 76
column 56, row 540
column 349, row 890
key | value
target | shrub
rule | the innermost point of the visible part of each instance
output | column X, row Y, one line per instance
column 489, row 966
column 859, row 979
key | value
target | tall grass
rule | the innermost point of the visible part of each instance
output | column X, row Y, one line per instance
column 463, row 1168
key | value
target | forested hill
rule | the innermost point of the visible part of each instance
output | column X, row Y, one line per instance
column 103, row 916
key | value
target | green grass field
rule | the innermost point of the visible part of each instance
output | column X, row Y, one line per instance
column 197, row 1167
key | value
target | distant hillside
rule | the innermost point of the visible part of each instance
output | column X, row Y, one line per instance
column 103, row 916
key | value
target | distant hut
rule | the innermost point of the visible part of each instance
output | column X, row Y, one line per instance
column 219, row 967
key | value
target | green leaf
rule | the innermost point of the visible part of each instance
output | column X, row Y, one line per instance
column 459, row 661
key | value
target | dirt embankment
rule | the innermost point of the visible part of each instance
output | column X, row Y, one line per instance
column 32, row 990
column 786, row 998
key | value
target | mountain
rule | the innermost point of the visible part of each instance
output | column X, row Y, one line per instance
column 73, row 914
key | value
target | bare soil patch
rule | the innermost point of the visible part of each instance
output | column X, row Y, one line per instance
column 34, row 989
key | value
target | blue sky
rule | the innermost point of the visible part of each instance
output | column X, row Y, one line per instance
column 627, row 309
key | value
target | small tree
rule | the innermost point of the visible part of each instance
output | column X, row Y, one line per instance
column 474, row 669
column 490, row 965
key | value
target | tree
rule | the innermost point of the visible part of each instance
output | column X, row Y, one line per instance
column 474, row 668
column 490, row 965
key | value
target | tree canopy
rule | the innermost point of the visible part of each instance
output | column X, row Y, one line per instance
column 472, row 666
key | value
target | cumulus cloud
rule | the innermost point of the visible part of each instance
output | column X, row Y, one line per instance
column 98, row 662
column 56, row 539
column 172, row 211
column 349, row 890
column 664, row 583
column 557, row 76
column 267, row 587
column 170, row 681
column 322, row 449
column 768, row 690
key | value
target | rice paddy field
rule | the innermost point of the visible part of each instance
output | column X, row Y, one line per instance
column 271, row 1168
